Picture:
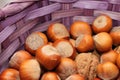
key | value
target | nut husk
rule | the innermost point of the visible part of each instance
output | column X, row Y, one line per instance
column 86, row 65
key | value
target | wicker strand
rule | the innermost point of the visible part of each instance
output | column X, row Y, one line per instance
column 13, row 19
column 43, row 27
column 64, row 1
column 88, row 19
column 4, row 66
column 26, row 27
column 43, row 11
column 62, row 13
column 113, row 15
column 114, row 1
column 101, row 5
column 66, row 21
column 20, row 1
column 4, row 35
column 10, row 50
column 45, row 3
column 0, row 48
column 14, row 7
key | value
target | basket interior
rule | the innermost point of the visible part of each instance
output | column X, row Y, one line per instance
column 16, row 23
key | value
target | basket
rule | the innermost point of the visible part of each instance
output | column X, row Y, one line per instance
column 19, row 18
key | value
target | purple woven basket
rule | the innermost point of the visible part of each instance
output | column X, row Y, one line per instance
column 21, row 17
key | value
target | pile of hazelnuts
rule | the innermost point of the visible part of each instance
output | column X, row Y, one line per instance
column 53, row 55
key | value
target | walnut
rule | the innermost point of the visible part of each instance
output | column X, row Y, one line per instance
column 86, row 65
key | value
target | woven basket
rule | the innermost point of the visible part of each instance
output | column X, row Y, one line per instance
column 21, row 17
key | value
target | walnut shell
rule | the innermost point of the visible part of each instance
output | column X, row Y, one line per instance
column 86, row 65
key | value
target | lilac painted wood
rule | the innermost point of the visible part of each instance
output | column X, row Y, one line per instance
column 20, row 24
column 113, row 15
column 0, row 48
column 2, row 14
column 43, row 11
column 114, row 1
column 115, row 7
column 22, row 37
column 88, row 19
column 67, row 20
column 9, row 51
column 45, row 3
column 62, row 13
column 14, row 1
column 6, row 32
column 44, row 26
column 14, row 7
column 26, row 27
column 11, row 20
column 91, row 4
column 64, row 1
column 4, row 66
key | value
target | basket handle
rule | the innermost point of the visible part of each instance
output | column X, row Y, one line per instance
column 14, row 7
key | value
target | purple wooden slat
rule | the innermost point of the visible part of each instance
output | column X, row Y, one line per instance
column 91, row 4
column 11, row 20
column 43, row 11
column 119, row 9
column 44, row 26
column 88, row 19
column 110, row 7
column 5, row 44
column 0, row 48
column 45, row 3
column 88, row 12
column 23, row 37
column 62, row 13
column 113, row 15
column 15, row 8
column 9, row 51
column 26, row 27
column 20, row 25
column 64, row 1
column 66, row 6
column 66, row 21
column 21, row 48
column 6, row 32
column 4, row 66
column 114, row 1
column 118, row 22
column 13, row 1
column 2, row 14
column 116, row 7
column 1, row 28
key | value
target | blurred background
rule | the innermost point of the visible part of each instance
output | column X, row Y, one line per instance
column 3, row 3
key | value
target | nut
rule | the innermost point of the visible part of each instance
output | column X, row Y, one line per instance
column 86, row 65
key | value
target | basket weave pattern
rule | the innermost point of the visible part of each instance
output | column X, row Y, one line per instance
column 21, row 17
